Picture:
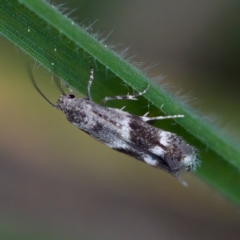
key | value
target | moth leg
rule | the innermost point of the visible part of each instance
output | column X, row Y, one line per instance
column 146, row 119
column 177, row 175
column 90, row 83
column 129, row 97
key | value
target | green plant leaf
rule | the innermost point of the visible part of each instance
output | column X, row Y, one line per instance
column 67, row 50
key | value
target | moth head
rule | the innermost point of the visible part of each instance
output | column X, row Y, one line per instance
column 63, row 100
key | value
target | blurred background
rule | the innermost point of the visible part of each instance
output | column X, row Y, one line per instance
column 58, row 183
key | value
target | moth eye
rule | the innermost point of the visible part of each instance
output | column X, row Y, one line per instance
column 71, row 96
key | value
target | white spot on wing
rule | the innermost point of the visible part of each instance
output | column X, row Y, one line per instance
column 149, row 160
column 164, row 138
column 118, row 145
column 157, row 150
column 124, row 125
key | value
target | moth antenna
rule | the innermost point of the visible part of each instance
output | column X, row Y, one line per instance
column 36, row 87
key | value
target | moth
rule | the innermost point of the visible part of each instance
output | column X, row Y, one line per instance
column 128, row 133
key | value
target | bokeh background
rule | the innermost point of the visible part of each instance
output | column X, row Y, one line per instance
column 58, row 183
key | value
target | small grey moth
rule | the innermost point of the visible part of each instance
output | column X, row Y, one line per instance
column 127, row 133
